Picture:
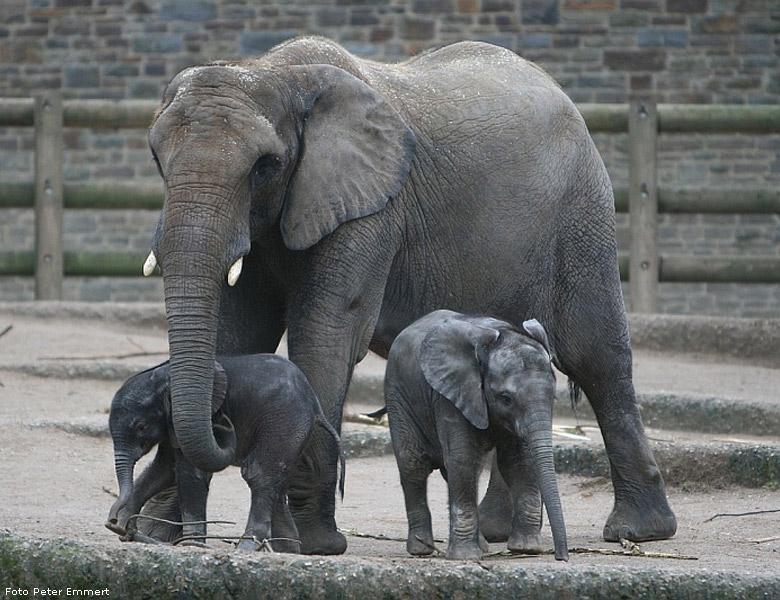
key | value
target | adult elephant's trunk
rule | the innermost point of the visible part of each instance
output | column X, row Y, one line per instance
column 194, row 266
column 540, row 443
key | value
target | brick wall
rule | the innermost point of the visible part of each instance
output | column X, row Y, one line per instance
column 700, row 51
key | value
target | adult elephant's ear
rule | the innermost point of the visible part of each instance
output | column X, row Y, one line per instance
column 449, row 358
column 355, row 153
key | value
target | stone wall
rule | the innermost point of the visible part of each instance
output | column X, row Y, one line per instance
column 689, row 51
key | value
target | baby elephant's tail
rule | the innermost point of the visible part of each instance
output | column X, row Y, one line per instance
column 323, row 422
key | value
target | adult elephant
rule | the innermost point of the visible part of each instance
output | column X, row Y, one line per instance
column 353, row 197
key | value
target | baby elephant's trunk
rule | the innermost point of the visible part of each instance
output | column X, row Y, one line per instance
column 124, row 474
column 545, row 473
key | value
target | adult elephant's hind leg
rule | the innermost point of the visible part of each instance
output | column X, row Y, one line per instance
column 641, row 511
column 496, row 509
column 604, row 371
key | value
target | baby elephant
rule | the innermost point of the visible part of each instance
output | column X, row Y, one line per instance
column 274, row 410
column 457, row 386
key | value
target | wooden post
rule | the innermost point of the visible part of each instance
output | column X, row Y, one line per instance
column 47, row 117
column 643, row 207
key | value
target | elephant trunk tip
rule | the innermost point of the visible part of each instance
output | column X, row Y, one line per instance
column 112, row 523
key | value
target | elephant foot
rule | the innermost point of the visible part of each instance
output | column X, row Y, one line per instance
column 525, row 543
column 463, row 551
column 640, row 524
column 420, row 543
column 322, row 540
column 160, row 514
column 495, row 517
column 313, row 508
column 288, row 546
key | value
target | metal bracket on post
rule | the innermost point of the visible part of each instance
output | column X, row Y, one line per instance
column 47, row 118
column 643, row 207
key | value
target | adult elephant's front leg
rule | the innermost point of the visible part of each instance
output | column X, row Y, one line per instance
column 330, row 323
column 326, row 357
column 251, row 313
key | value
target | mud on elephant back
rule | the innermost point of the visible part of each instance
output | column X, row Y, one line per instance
column 341, row 199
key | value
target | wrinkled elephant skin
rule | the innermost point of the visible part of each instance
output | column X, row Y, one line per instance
column 456, row 387
column 341, row 199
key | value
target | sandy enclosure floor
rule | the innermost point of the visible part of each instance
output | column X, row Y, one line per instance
column 55, row 484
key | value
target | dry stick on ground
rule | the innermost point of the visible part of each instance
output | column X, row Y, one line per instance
column 742, row 514
column 103, row 357
column 629, row 548
column 773, row 538
column 364, row 419
column 633, row 550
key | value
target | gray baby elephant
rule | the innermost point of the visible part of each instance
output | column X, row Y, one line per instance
column 262, row 406
column 456, row 387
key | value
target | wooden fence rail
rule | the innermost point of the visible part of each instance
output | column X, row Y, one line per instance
column 644, row 199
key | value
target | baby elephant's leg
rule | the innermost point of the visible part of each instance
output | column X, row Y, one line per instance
column 517, row 470
column 265, row 480
column 466, row 541
column 283, row 529
column 414, row 470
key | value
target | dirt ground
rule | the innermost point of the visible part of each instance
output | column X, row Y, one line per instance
column 56, row 484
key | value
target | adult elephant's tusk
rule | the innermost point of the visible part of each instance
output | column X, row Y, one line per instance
column 150, row 264
column 235, row 271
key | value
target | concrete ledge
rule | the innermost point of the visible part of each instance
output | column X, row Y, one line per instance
column 689, row 412
column 133, row 572
column 755, row 339
column 690, row 466
column 693, row 465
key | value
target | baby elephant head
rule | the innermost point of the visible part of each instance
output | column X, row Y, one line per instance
column 501, row 376
column 140, row 419
column 494, row 373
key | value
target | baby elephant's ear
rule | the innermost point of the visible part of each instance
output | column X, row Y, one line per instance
column 220, row 387
column 534, row 329
column 448, row 358
column 159, row 378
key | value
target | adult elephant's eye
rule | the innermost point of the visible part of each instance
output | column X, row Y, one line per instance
column 263, row 170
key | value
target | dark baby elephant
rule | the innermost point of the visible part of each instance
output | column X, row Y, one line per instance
column 455, row 388
column 262, row 406
column 341, row 199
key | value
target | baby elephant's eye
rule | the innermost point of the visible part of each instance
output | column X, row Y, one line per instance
column 506, row 399
column 141, row 428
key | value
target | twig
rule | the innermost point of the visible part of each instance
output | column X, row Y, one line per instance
column 180, row 523
column 6, row 330
column 103, row 357
column 373, row 536
column 378, row 536
column 364, row 419
column 773, row 538
column 431, row 546
column 742, row 514
column 139, row 346
column 601, row 551
column 264, row 545
column 110, row 492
